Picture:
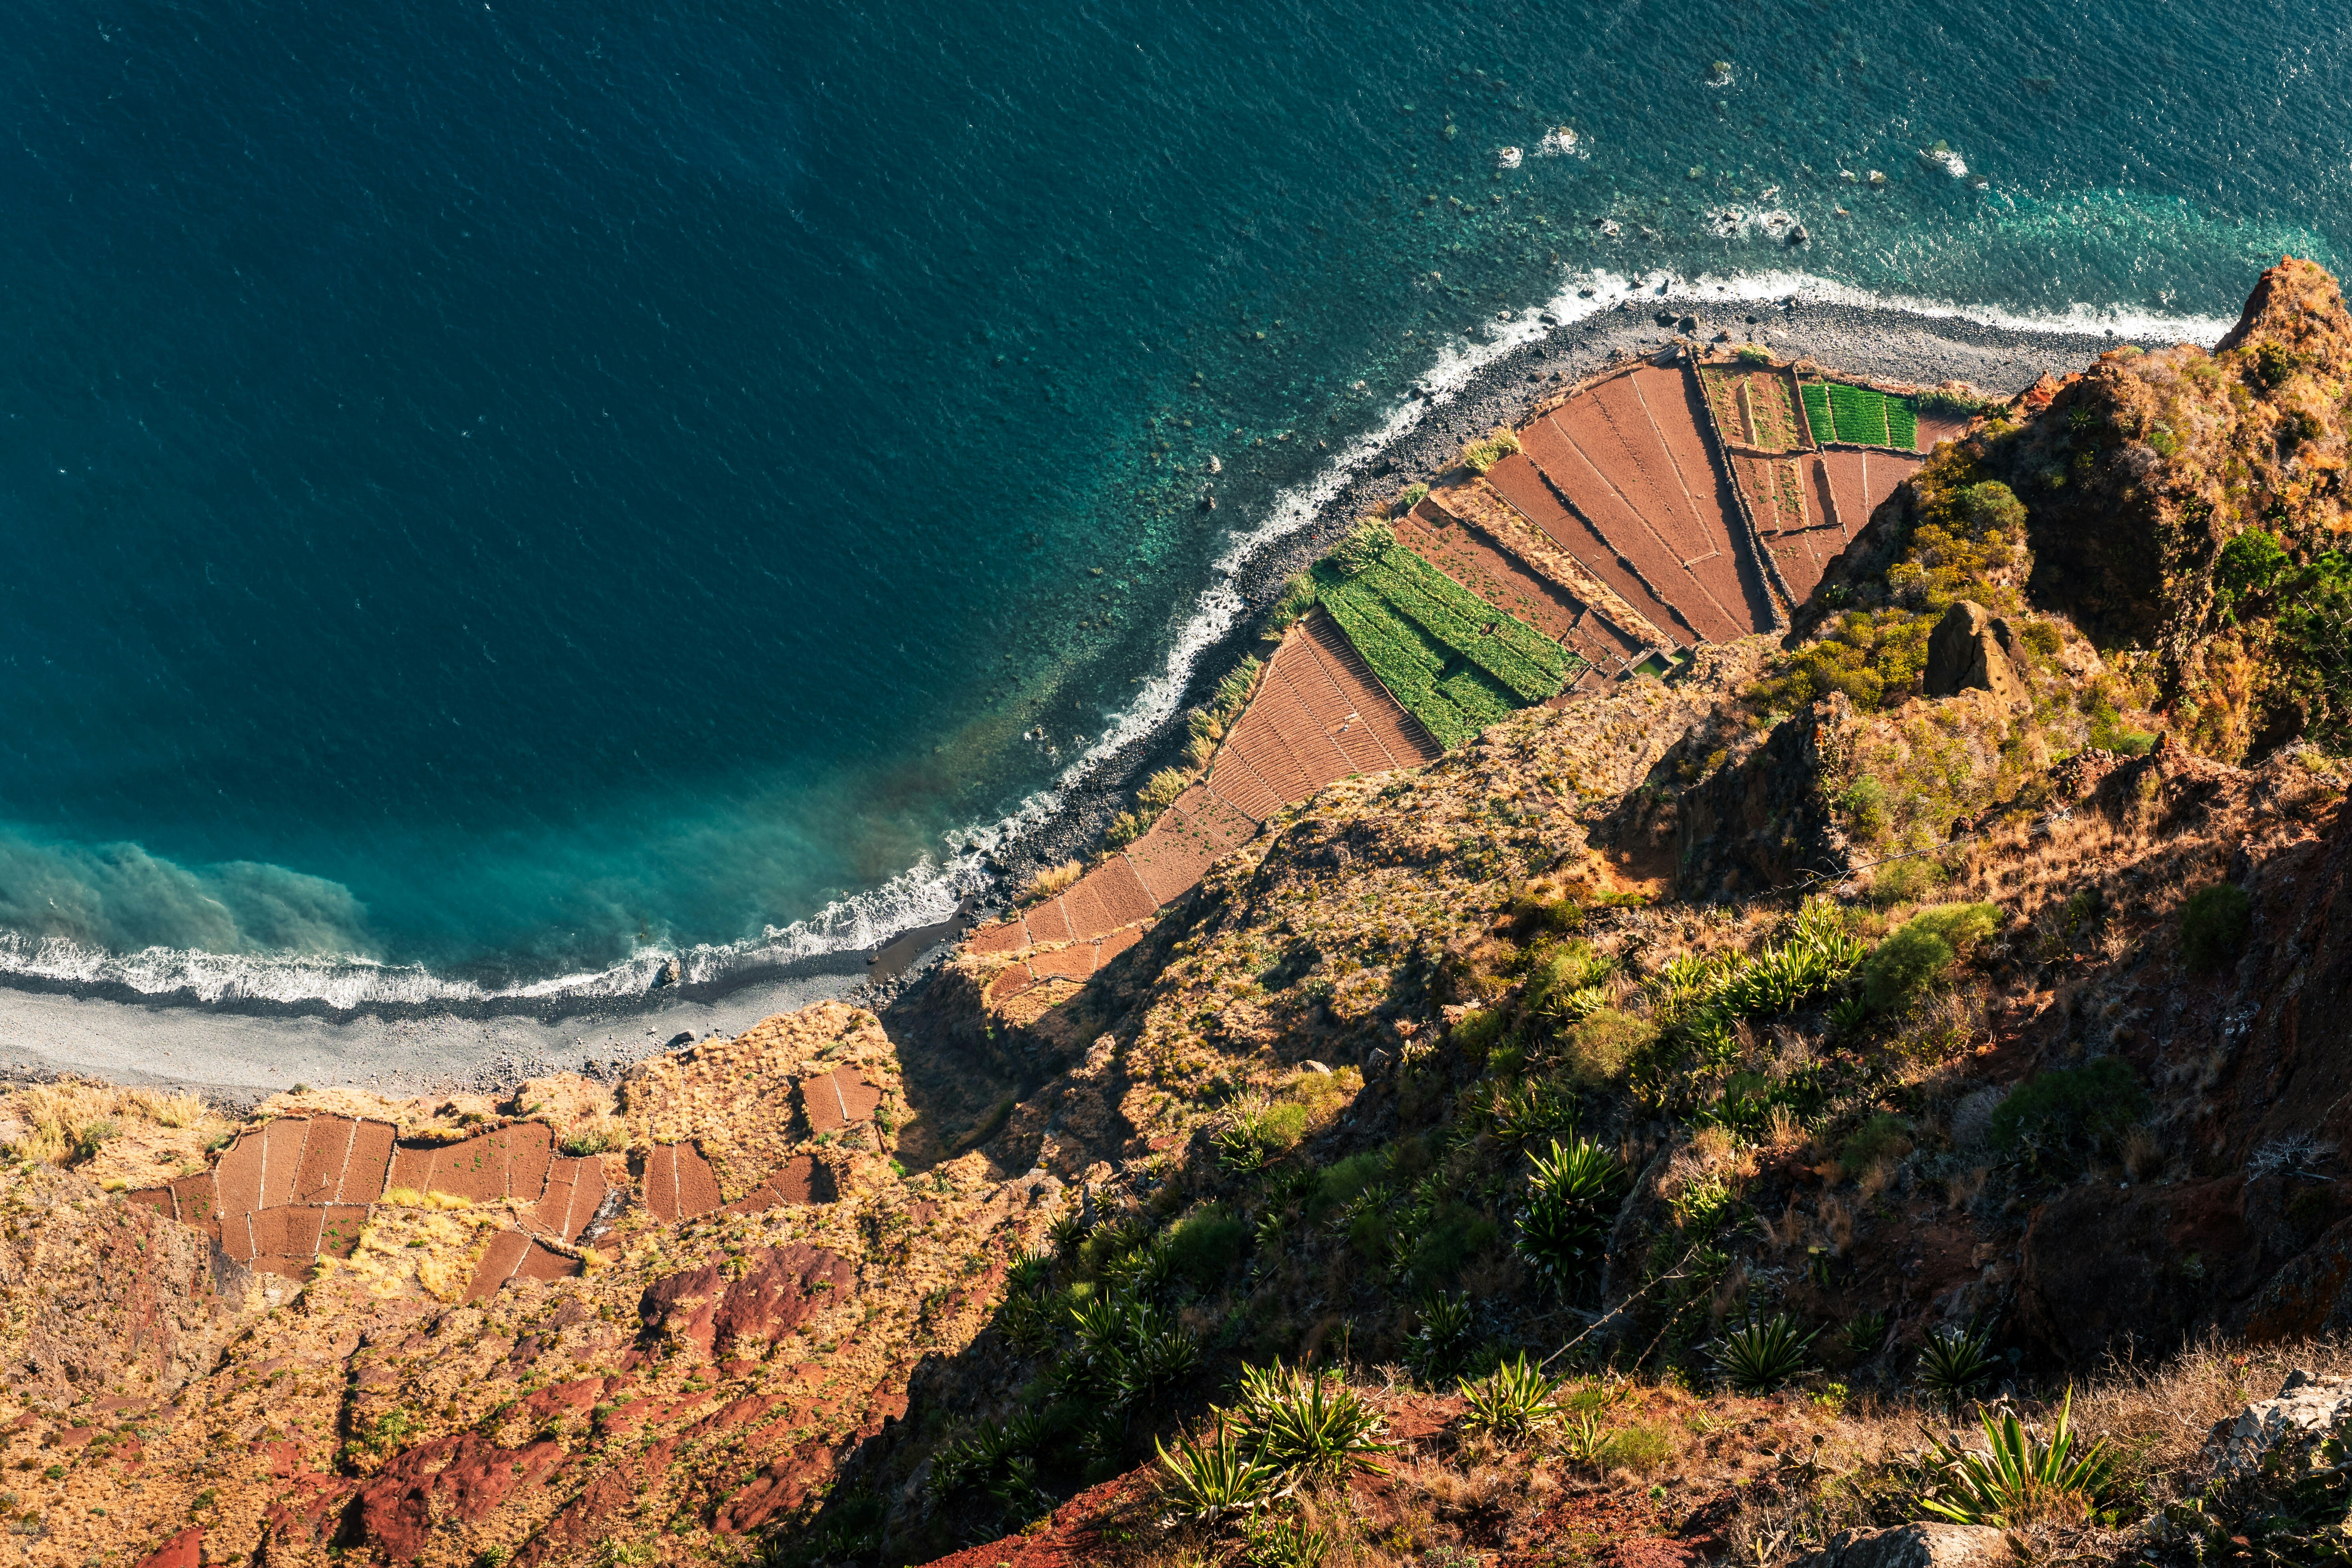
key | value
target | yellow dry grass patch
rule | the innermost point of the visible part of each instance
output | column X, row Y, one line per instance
column 118, row 1137
column 430, row 1247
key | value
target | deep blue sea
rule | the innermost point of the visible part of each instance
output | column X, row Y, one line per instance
column 496, row 493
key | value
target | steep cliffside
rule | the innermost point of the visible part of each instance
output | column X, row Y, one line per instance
column 1938, row 978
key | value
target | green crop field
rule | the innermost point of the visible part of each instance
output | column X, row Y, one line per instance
column 1861, row 415
column 1456, row 662
column 1903, row 424
column 1817, row 410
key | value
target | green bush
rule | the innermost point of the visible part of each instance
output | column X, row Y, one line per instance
column 1922, row 950
column 1754, row 354
column 1492, row 448
column 2214, row 926
column 2069, row 1115
column 1864, row 805
column 1344, row 1180
column 1454, row 1235
column 1363, row 547
column 1208, row 1246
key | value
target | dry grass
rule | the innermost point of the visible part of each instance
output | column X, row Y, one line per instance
column 1053, row 879
column 74, row 1121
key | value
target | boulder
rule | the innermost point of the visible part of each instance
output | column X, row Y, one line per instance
column 1971, row 647
column 2306, row 1409
column 1913, row 1545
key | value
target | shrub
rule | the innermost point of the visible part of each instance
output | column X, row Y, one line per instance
column 2214, row 926
column 1513, row 1402
column 1257, row 1130
column 1345, row 1179
column 1412, row 495
column 1754, row 354
column 1922, row 950
column 1050, row 881
column 1371, row 539
column 1864, row 805
column 1452, row 1235
column 603, row 1136
column 2070, row 1114
column 1206, row 1248
column 1489, row 449
column 2021, row 1478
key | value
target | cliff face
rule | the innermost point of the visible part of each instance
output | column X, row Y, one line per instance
column 1893, row 983
column 2139, row 475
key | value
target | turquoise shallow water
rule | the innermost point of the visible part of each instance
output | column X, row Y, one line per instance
column 496, row 493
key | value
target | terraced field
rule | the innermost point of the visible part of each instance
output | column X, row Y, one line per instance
column 300, row 1188
column 1504, row 578
column 1455, row 662
column 1753, row 408
column 1319, row 715
column 1611, row 537
column 1861, row 415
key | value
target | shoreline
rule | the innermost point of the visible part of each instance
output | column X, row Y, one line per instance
column 244, row 1049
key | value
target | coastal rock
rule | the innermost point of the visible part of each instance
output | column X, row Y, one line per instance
column 1971, row 648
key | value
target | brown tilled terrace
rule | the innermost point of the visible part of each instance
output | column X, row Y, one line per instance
column 297, row 1189
column 1658, row 505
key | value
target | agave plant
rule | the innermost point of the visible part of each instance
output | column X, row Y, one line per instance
column 1583, row 1172
column 1066, row 1231
column 2021, row 1477
column 1954, row 1360
column 1512, row 1402
column 1307, row 1422
column 1565, row 1228
column 1208, row 1482
column 1865, row 1332
column 1760, row 1356
column 1028, row 1273
column 1522, row 1112
column 1442, row 1340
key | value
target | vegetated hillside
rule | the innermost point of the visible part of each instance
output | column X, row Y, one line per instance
column 1928, row 1014
column 1608, row 1142
column 2186, row 510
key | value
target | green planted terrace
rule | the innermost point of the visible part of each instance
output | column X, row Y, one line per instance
column 1861, row 415
column 1454, row 661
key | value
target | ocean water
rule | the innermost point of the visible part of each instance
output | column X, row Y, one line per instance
column 499, row 493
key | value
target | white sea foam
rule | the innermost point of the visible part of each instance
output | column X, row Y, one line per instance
column 929, row 891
